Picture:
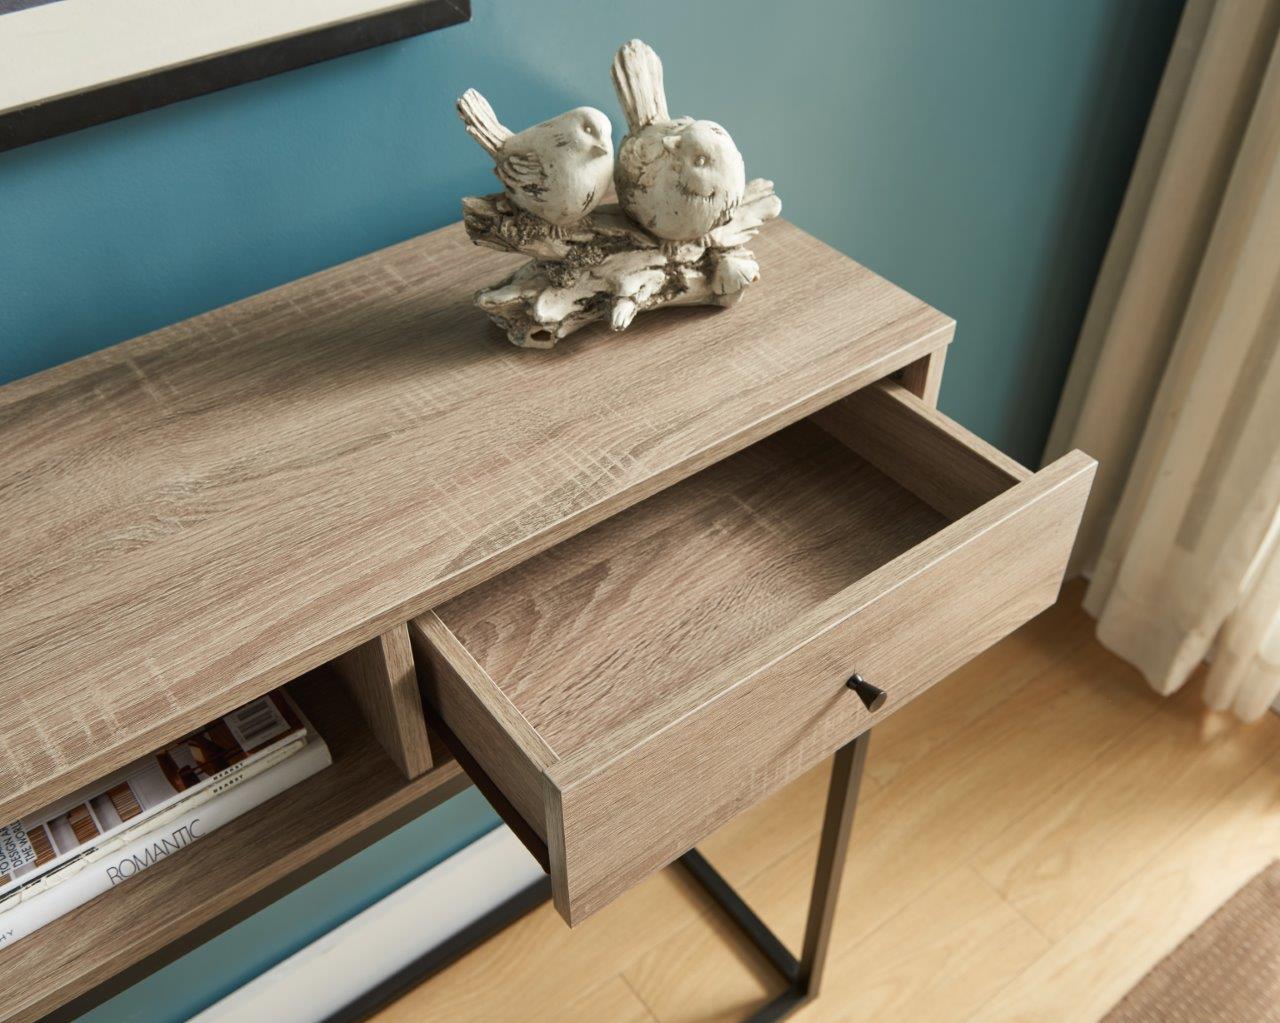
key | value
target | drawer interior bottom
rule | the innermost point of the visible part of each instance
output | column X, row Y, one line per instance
column 684, row 581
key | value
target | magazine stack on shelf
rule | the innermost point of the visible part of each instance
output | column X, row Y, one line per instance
column 99, row 837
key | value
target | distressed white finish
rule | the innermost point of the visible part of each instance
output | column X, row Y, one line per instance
column 677, row 236
column 558, row 170
column 678, row 177
column 608, row 268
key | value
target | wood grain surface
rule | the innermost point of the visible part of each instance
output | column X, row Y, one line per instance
column 609, row 624
column 923, row 378
column 707, row 633
column 203, row 513
column 186, row 892
column 626, row 801
column 381, row 678
column 934, row 457
column 1032, row 837
column 512, row 754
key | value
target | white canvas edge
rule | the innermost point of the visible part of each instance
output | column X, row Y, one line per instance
column 336, row 969
column 70, row 46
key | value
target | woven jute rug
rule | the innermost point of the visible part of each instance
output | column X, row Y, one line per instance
column 1228, row 969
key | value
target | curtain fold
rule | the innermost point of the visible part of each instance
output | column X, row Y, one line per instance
column 1175, row 386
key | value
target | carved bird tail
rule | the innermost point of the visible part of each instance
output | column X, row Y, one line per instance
column 637, row 77
column 482, row 123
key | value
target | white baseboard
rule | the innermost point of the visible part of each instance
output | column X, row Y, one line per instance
column 335, row 970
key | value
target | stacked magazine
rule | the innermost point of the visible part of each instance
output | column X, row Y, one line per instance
column 97, row 838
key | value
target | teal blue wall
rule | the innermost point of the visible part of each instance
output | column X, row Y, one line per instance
column 975, row 152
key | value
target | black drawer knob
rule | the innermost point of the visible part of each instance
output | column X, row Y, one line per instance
column 872, row 697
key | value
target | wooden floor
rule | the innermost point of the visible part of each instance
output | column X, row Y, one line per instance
column 1034, row 834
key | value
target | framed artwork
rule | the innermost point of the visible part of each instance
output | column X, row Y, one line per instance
column 68, row 64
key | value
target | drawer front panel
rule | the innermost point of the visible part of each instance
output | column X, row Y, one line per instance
column 625, row 807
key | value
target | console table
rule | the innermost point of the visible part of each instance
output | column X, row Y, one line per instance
column 627, row 583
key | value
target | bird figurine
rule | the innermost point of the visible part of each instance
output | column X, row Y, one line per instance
column 679, row 178
column 558, row 170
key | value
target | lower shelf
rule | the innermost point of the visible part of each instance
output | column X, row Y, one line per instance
column 125, row 934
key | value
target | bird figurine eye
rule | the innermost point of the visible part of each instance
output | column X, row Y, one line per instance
column 590, row 129
column 700, row 161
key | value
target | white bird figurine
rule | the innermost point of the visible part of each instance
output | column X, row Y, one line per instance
column 558, row 170
column 678, row 178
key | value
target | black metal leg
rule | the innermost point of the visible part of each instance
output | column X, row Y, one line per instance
column 731, row 903
column 803, row 977
column 837, row 825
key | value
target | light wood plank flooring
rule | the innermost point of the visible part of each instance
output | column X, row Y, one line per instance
column 1034, row 834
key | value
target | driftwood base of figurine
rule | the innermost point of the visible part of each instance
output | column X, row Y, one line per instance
column 608, row 268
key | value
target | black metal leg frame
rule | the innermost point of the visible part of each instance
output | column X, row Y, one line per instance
column 803, row 975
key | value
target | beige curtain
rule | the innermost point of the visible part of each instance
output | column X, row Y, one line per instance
column 1175, row 385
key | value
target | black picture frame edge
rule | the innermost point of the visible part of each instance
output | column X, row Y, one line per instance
column 147, row 92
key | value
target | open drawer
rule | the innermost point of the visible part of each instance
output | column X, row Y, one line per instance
column 626, row 692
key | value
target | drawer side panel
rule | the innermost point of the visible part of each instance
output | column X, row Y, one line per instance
column 482, row 720
column 950, row 468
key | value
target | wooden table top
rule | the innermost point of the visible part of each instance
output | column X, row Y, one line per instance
column 198, row 515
